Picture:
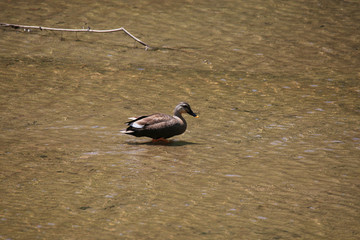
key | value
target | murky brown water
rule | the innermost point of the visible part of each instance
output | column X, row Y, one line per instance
column 274, row 154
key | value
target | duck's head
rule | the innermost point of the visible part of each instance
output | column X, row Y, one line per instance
column 184, row 107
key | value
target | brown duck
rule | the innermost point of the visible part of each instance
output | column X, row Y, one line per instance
column 160, row 126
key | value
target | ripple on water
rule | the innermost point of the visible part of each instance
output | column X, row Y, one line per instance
column 233, row 175
column 277, row 143
column 74, row 127
column 111, row 195
column 309, row 150
column 91, row 153
column 100, row 127
column 276, row 126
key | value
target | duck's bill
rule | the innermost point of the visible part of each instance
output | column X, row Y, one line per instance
column 193, row 114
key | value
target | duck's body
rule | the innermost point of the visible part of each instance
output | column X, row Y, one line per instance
column 160, row 126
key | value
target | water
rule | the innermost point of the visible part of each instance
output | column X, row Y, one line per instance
column 274, row 154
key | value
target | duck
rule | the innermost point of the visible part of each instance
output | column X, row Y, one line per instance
column 160, row 126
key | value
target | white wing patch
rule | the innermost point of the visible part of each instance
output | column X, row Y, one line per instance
column 136, row 125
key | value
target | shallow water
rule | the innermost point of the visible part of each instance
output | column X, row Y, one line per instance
column 274, row 154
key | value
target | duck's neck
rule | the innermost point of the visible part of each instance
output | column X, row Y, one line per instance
column 179, row 115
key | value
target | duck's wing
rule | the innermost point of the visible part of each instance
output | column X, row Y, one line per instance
column 154, row 121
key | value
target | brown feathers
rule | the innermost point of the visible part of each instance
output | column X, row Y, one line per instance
column 160, row 125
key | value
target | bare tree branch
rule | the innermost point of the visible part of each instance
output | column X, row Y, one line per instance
column 76, row 30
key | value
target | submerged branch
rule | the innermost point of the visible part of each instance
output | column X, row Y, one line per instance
column 76, row 30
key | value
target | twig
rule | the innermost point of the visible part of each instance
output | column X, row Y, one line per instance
column 76, row 30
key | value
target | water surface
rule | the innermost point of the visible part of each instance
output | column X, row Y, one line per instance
column 274, row 154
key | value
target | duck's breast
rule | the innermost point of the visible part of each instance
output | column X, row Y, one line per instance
column 167, row 129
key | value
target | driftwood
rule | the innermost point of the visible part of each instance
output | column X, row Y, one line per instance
column 89, row 30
